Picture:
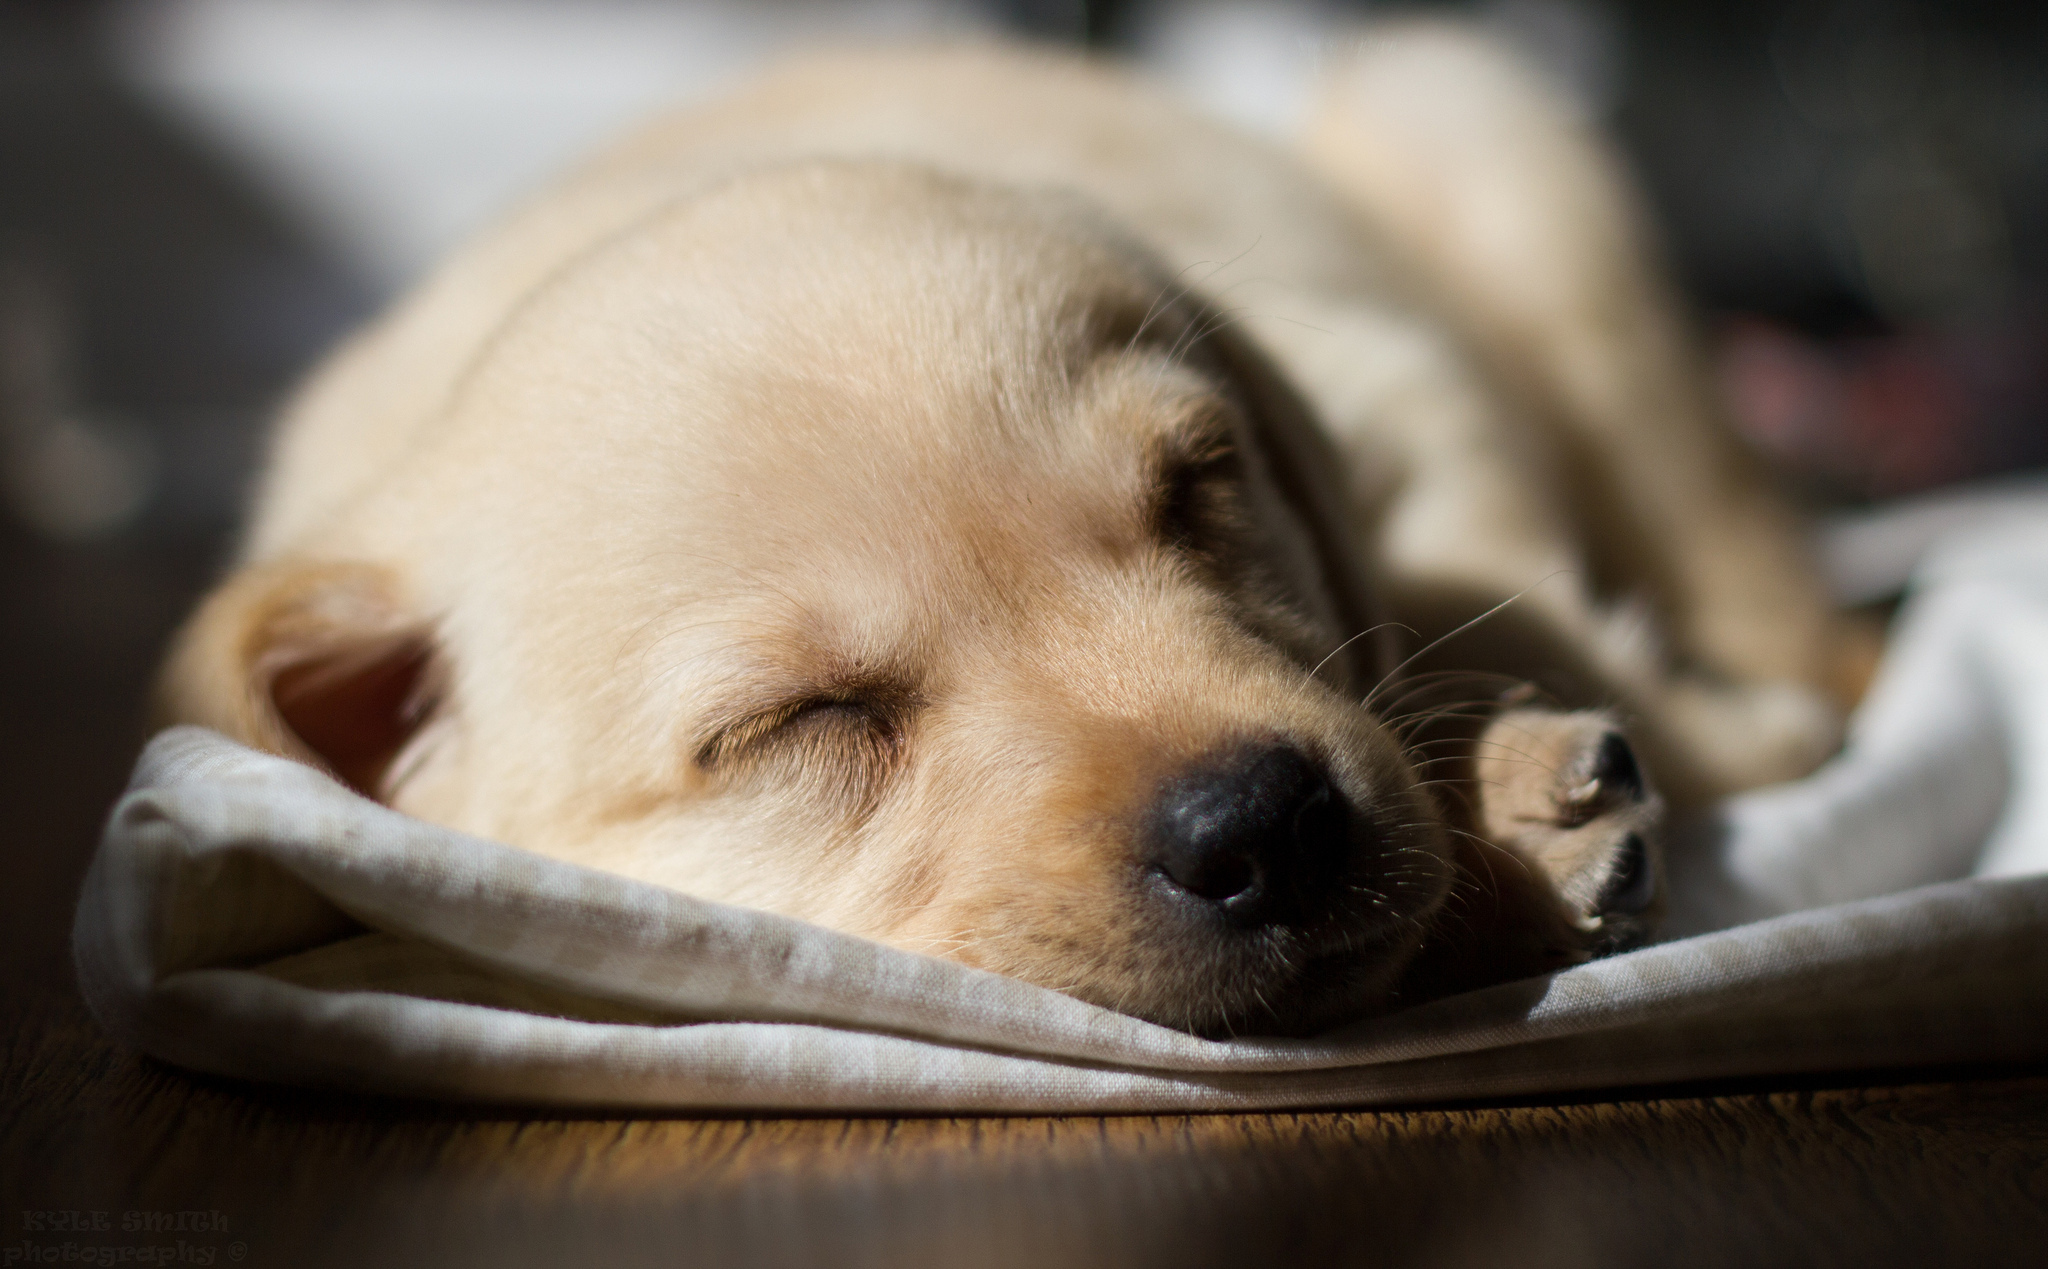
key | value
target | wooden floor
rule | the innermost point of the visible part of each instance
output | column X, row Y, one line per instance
column 1924, row 1168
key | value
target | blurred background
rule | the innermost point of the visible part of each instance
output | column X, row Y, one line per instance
column 198, row 196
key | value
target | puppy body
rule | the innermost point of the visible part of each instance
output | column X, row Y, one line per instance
column 889, row 497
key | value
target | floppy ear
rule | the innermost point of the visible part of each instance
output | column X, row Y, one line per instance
column 1300, row 458
column 321, row 662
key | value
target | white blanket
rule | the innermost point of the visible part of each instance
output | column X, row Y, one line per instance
column 249, row 917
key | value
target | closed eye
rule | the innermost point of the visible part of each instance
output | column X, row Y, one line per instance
column 852, row 737
column 836, row 715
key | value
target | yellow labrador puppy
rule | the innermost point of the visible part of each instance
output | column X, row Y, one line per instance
column 964, row 499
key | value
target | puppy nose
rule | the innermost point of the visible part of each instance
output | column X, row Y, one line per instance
column 1248, row 832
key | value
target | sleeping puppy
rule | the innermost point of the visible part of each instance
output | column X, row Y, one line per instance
column 963, row 499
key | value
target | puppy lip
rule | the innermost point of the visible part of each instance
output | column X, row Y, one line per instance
column 1328, row 987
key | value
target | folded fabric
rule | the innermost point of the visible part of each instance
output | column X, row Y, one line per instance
column 249, row 917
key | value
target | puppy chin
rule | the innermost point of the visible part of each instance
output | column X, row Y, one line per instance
column 1323, row 992
column 1288, row 984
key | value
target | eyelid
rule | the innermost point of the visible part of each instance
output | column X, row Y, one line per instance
column 738, row 739
column 750, row 735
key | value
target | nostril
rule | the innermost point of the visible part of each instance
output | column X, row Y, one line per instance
column 1240, row 832
column 1212, row 875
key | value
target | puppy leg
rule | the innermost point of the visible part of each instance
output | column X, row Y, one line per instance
column 1524, row 225
column 1463, row 502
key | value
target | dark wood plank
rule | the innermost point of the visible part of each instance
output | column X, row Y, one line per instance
column 1922, row 1171
column 1929, row 1173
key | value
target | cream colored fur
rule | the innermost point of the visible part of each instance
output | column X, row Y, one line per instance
column 773, row 509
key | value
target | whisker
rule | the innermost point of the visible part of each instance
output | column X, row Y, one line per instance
column 1354, row 639
column 1210, row 325
column 1437, row 642
column 1162, row 301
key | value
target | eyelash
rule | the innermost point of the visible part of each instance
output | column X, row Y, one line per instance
column 782, row 728
column 811, row 712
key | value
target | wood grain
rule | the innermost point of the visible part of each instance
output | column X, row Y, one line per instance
column 1953, row 1172
column 1926, row 1169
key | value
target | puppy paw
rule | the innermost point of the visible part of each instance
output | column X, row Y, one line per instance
column 1565, row 793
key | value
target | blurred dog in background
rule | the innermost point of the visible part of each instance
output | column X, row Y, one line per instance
column 965, row 499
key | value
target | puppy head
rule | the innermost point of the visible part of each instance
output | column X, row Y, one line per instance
column 892, row 552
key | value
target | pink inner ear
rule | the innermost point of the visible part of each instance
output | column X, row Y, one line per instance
column 356, row 708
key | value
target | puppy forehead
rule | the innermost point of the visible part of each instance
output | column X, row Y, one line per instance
column 888, row 561
column 885, row 330
column 851, row 279
column 828, row 406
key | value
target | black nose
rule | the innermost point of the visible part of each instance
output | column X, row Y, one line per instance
column 1251, row 832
